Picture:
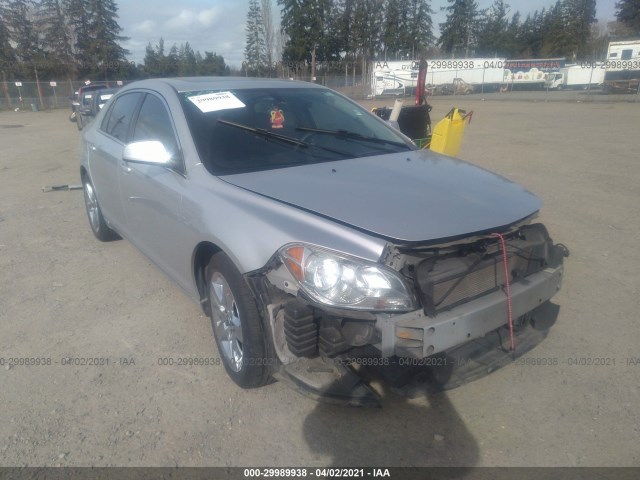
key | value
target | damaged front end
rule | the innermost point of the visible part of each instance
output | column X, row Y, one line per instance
column 325, row 308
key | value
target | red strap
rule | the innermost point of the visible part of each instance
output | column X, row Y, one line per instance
column 505, row 262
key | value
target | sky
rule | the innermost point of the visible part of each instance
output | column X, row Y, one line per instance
column 218, row 25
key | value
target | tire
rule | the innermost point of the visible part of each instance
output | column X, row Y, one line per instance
column 79, row 122
column 97, row 222
column 236, row 323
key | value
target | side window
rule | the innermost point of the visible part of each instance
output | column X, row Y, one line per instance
column 154, row 123
column 627, row 54
column 117, row 122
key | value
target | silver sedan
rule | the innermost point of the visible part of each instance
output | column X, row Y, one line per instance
column 310, row 231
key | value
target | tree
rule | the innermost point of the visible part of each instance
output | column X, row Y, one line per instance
column 255, row 51
column 18, row 17
column 419, row 33
column 77, row 12
column 628, row 13
column 493, row 36
column 309, row 28
column 7, row 54
column 213, row 64
column 581, row 15
column 555, row 31
column 395, row 25
column 269, row 32
column 458, row 32
column 104, row 49
column 56, row 38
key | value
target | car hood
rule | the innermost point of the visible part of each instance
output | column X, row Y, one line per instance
column 415, row 196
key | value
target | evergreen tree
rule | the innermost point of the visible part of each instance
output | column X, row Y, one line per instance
column 7, row 54
column 419, row 27
column 555, row 40
column 255, row 51
column 581, row 15
column 309, row 28
column 188, row 66
column 77, row 13
column 458, row 32
column 56, row 38
column 269, row 32
column 628, row 13
column 493, row 37
column 108, row 57
column 18, row 17
column 395, row 26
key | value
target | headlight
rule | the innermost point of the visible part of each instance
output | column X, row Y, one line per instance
column 339, row 280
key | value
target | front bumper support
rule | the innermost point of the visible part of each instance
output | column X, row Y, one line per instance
column 416, row 335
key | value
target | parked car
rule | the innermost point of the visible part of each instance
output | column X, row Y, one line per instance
column 77, row 99
column 309, row 230
column 91, row 103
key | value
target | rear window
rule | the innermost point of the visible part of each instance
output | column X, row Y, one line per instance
column 248, row 130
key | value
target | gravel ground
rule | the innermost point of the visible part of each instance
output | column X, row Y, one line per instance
column 63, row 294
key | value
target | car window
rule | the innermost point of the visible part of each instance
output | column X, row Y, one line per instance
column 86, row 99
column 247, row 130
column 154, row 123
column 118, row 120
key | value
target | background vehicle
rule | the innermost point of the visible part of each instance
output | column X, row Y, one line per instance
column 91, row 103
column 76, row 102
column 623, row 67
column 389, row 252
column 457, row 87
column 577, row 77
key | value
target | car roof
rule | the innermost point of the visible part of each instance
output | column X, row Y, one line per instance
column 188, row 84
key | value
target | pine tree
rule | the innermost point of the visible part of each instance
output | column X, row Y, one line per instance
column 581, row 15
column 555, row 31
column 269, row 32
column 56, row 38
column 458, row 32
column 77, row 13
column 255, row 49
column 628, row 13
column 104, row 49
column 18, row 17
column 394, row 27
column 309, row 26
column 419, row 27
column 493, row 37
column 7, row 54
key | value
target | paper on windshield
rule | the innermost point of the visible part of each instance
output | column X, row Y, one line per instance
column 212, row 102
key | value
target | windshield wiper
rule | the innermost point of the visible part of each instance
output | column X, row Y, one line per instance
column 353, row 135
column 265, row 133
column 284, row 138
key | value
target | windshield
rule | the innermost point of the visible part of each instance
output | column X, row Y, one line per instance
column 248, row 130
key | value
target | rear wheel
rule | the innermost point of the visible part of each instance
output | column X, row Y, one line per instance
column 97, row 222
column 236, row 323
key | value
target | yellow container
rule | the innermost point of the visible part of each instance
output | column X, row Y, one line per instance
column 447, row 134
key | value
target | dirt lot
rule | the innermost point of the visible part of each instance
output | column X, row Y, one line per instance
column 63, row 294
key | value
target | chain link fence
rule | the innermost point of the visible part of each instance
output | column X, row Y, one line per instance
column 49, row 95
column 39, row 95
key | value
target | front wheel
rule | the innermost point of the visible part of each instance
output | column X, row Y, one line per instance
column 97, row 222
column 237, row 325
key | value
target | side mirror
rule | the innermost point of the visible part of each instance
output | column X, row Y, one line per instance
column 150, row 152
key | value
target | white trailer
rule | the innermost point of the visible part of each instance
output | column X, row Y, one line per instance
column 622, row 73
column 396, row 77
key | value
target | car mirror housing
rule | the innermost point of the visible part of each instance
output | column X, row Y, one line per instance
column 150, row 152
